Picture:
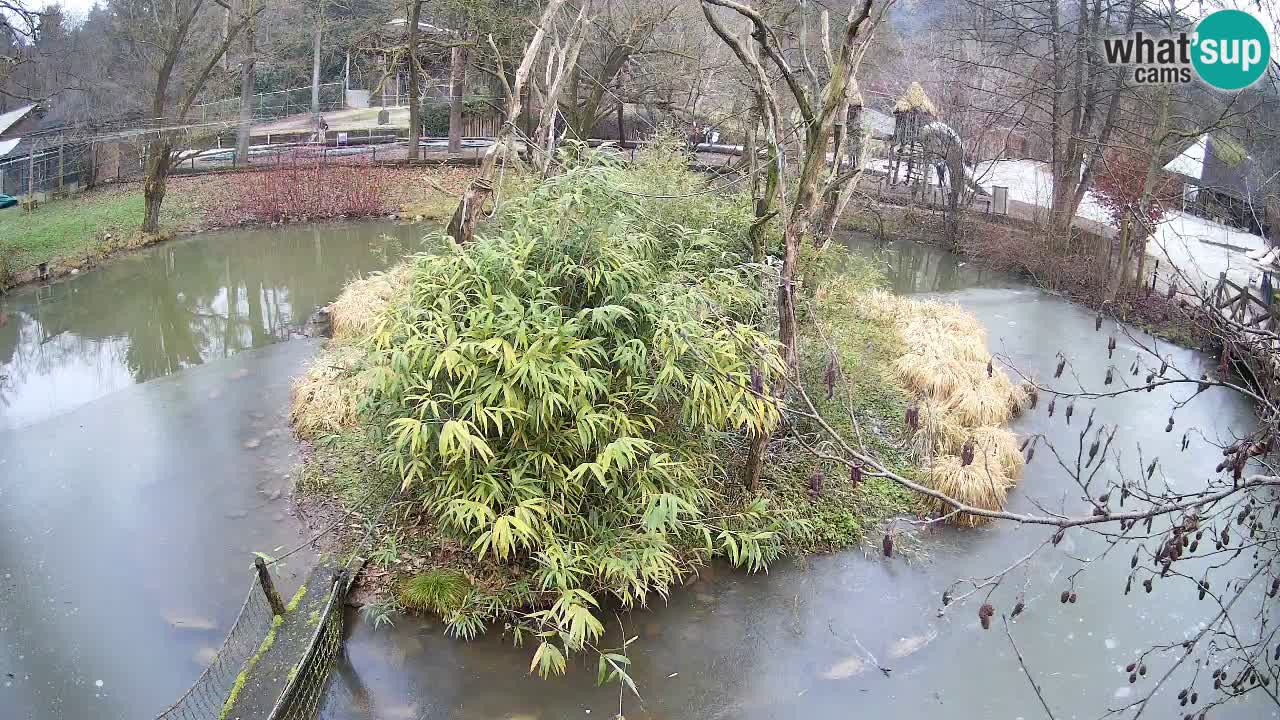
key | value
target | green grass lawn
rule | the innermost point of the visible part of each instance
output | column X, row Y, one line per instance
column 74, row 228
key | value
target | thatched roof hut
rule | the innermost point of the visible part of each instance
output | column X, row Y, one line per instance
column 915, row 100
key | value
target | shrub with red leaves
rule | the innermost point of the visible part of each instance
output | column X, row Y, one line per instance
column 1118, row 187
column 301, row 188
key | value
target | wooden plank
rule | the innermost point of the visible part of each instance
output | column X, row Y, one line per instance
column 1224, row 303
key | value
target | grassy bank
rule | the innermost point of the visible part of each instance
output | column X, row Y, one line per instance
column 565, row 406
column 81, row 227
column 83, row 230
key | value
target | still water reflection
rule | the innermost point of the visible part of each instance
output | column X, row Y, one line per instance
column 174, row 306
column 145, row 454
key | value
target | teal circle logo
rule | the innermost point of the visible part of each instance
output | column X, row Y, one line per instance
column 1232, row 49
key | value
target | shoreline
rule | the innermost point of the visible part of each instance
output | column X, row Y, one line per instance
column 409, row 202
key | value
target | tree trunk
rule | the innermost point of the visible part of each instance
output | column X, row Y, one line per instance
column 153, row 185
column 622, row 133
column 315, row 64
column 457, row 86
column 466, row 216
column 1121, row 270
column 247, row 76
column 754, row 466
column 415, row 124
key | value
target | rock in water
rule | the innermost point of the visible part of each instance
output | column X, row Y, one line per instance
column 909, row 645
column 846, row 668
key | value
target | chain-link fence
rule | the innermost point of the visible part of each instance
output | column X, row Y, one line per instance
column 57, row 168
column 272, row 105
column 206, row 698
column 305, row 689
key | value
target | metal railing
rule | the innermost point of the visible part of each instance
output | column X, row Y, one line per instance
column 273, row 105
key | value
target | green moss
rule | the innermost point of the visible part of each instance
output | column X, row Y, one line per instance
column 1227, row 149
column 257, row 656
column 249, row 665
column 296, row 599
column 440, row 591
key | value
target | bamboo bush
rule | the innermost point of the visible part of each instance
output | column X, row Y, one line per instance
column 556, row 394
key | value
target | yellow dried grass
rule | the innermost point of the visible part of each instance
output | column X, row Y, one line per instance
column 1001, row 446
column 981, row 484
column 945, row 368
column 358, row 310
column 939, row 434
column 326, row 398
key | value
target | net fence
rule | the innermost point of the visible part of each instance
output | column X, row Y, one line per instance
column 306, row 687
column 207, row 696
column 273, row 105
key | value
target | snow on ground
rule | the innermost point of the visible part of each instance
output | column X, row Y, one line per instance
column 1203, row 249
column 1200, row 248
column 1030, row 182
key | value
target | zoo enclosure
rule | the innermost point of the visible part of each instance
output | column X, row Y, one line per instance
column 64, row 168
column 273, row 105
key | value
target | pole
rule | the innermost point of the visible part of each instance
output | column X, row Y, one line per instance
column 269, row 586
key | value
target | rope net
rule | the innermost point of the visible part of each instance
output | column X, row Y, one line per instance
column 302, row 695
column 205, row 698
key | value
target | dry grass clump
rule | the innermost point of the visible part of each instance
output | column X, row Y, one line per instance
column 958, row 400
column 358, row 310
column 980, row 484
column 939, row 433
column 326, row 399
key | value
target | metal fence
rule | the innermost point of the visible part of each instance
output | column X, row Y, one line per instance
column 64, row 167
column 272, row 105
column 304, row 691
column 206, row 698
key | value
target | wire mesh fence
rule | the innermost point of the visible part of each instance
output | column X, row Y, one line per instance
column 272, row 105
column 306, row 688
column 61, row 167
column 205, row 699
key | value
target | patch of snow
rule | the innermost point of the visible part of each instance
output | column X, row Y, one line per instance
column 1191, row 161
column 1203, row 249
column 1030, row 182
column 7, row 145
column 11, row 118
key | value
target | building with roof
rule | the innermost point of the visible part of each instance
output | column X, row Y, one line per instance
column 1223, row 183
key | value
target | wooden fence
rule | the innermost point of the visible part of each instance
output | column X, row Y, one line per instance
column 1244, row 305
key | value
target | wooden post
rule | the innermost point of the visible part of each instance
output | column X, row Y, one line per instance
column 268, row 586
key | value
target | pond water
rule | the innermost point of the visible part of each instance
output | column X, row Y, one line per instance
column 796, row 642
column 145, row 455
column 184, row 303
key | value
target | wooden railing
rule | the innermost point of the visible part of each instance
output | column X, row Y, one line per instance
column 1241, row 305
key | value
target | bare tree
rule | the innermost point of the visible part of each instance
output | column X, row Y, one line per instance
column 462, row 225
column 317, row 36
column 174, row 42
column 819, row 106
column 248, row 75
column 415, row 77
column 561, row 63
